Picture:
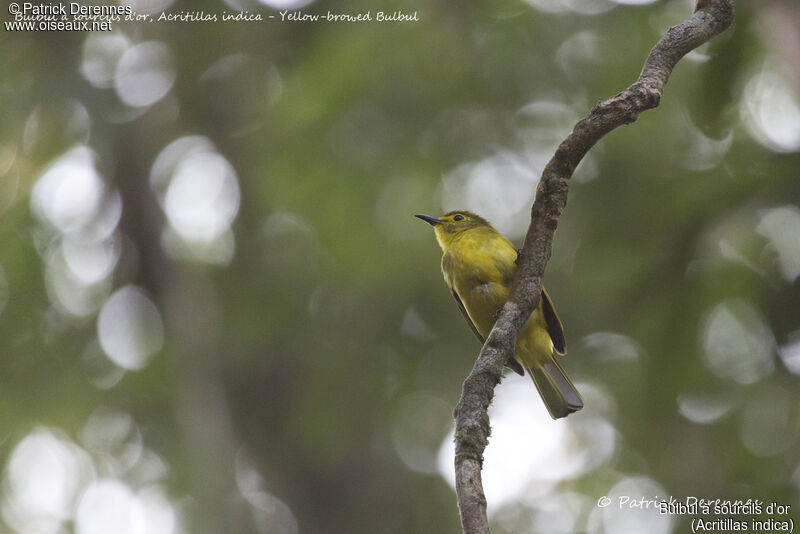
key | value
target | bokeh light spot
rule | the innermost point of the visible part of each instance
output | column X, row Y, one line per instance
column 67, row 291
column 199, row 191
column 738, row 344
column 698, row 151
column 610, row 346
column 43, row 478
column 286, row 4
column 417, row 430
column 530, row 453
column 633, row 509
column 579, row 52
column 203, row 197
column 771, row 111
column 413, row 326
column 704, row 409
column 91, row 262
column 782, row 227
column 107, row 505
column 583, row 7
column 69, row 193
column 154, row 513
column 101, row 54
column 56, row 125
column 270, row 514
column 790, row 353
column 129, row 328
column 114, row 438
column 499, row 188
column 145, row 74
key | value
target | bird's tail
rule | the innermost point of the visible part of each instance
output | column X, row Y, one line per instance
column 556, row 389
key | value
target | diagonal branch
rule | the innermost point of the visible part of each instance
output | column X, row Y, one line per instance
column 472, row 421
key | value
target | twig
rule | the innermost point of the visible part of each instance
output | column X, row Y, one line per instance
column 472, row 421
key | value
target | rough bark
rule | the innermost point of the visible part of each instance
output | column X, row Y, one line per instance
column 472, row 421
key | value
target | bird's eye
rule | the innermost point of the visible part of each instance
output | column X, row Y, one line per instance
column 458, row 218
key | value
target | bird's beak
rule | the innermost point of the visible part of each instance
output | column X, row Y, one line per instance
column 433, row 221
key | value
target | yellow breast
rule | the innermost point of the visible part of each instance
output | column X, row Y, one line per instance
column 480, row 267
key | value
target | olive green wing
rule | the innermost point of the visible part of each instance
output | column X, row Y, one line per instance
column 554, row 326
column 466, row 316
column 512, row 363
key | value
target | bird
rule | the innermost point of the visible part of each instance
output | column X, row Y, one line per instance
column 478, row 265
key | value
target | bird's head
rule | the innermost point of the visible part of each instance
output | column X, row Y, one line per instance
column 454, row 224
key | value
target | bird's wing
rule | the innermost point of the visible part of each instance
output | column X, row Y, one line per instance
column 466, row 316
column 512, row 363
column 554, row 326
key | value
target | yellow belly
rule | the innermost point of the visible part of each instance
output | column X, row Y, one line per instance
column 481, row 288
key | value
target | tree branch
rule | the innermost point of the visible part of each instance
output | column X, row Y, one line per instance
column 472, row 421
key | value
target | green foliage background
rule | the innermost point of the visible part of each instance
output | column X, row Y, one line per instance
column 292, row 356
